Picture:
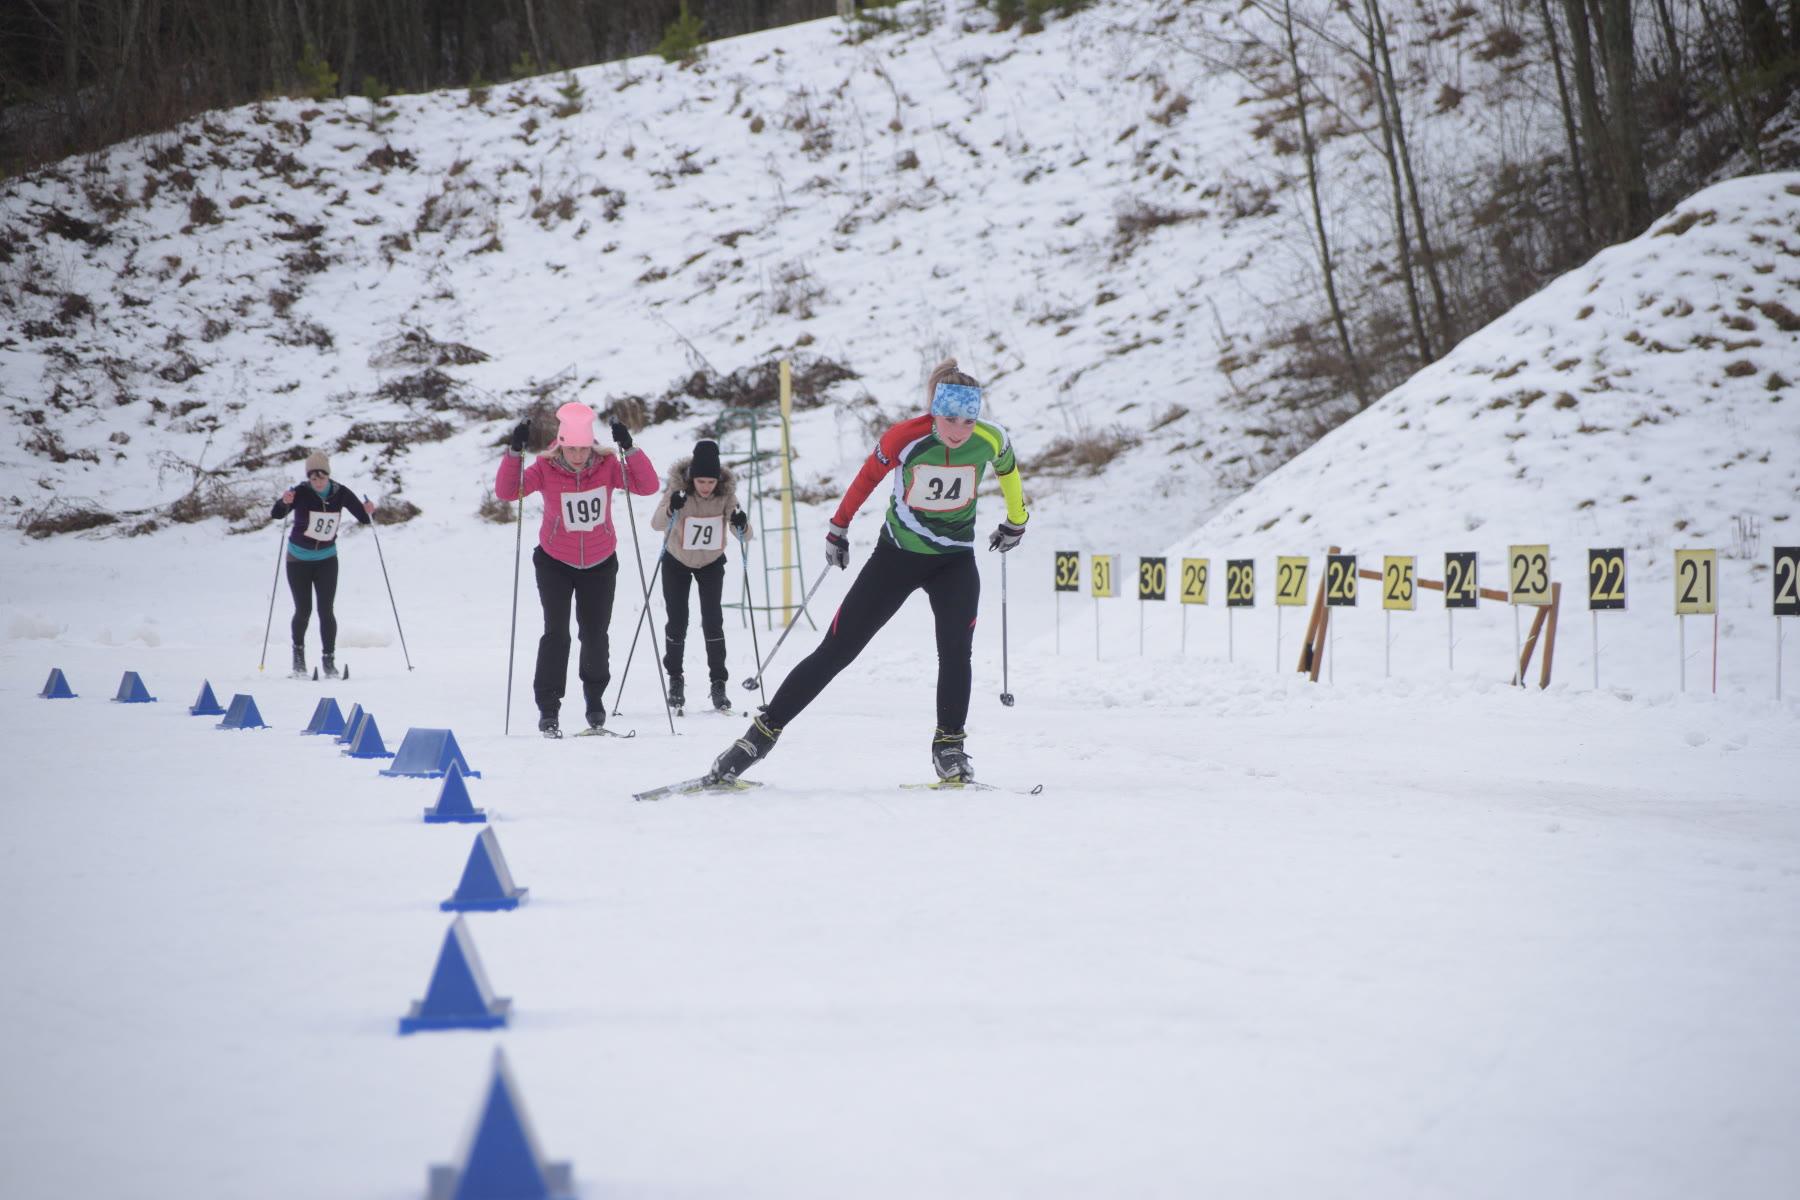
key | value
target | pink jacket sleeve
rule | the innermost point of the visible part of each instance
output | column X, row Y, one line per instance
column 507, row 478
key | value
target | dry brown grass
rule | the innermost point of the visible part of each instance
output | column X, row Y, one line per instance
column 1084, row 454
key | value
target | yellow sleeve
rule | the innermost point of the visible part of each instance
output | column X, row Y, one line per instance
column 1014, row 491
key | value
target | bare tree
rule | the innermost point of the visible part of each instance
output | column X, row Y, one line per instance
column 1310, row 152
column 1379, row 65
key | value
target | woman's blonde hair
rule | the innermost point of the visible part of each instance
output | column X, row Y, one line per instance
column 946, row 372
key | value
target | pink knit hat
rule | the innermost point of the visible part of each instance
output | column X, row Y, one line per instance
column 575, row 424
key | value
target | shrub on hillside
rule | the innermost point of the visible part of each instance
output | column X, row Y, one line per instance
column 1086, row 453
column 681, row 41
column 64, row 516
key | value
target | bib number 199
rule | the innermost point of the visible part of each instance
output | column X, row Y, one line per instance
column 584, row 511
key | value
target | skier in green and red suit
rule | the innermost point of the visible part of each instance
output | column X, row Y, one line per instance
column 927, row 541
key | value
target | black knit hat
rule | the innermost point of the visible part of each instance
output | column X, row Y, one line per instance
column 706, row 461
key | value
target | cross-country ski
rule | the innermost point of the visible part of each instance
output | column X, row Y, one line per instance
column 689, row 787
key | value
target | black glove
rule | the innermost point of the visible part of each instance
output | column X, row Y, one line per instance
column 520, row 432
column 1006, row 537
column 837, row 548
column 676, row 500
column 739, row 521
column 621, row 436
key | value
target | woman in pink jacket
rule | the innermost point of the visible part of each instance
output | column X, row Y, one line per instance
column 574, row 558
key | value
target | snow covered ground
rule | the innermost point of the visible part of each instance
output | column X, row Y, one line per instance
column 1420, row 936
column 1409, row 931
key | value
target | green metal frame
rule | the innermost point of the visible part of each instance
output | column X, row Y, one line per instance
column 756, row 463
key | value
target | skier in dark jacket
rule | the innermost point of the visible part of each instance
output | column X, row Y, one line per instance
column 318, row 506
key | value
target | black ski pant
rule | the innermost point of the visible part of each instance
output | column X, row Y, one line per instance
column 591, row 591
column 710, row 582
column 306, row 579
column 952, row 584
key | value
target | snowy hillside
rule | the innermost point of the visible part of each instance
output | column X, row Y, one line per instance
column 1089, row 217
column 1644, row 402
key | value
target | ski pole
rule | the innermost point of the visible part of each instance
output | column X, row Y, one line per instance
column 390, row 589
column 1006, row 696
column 750, row 611
column 632, row 653
column 512, row 637
column 631, row 515
column 274, row 584
column 755, row 681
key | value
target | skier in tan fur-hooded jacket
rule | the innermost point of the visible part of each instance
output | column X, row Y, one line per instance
column 699, row 509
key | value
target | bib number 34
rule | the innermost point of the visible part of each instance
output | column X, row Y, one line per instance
column 941, row 489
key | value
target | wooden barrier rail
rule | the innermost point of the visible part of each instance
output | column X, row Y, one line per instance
column 1543, row 625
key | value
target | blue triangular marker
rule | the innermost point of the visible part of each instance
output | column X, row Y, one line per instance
column 326, row 719
column 459, row 996
column 367, row 742
column 487, row 885
column 501, row 1159
column 243, row 714
column 133, row 691
column 56, row 687
column 428, row 753
column 453, row 801
column 350, row 724
column 207, row 705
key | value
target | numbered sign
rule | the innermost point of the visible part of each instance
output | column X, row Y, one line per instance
column 941, row 489
column 1695, row 573
column 1102, row 573
column 1530, row 572
column 1460, row 588
column 1153, row 579
column 1068, row 570
column 1340, row 580
column 1606, row 579
column 584, row 512
column 323, row 526
column 1240, row 583
column 1787, row 581
column 1397, row 584
column 702, row 533
column 1290, row 581
column 1195, row 573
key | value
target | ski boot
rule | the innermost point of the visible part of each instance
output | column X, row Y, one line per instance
column 677, row 694
column 596, row 720
column 748, row 750
column 549, row 726
column 299, row 671
column 720, row 701
column 949, row 757
column 329, row 661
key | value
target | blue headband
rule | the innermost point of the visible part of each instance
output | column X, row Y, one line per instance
column 956, row 400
